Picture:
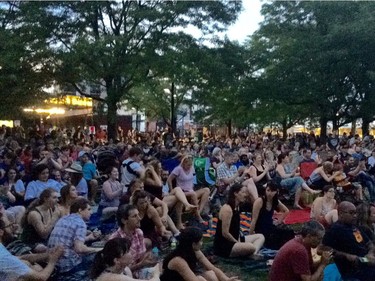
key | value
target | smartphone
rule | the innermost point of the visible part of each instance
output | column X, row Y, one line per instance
column 363, row 260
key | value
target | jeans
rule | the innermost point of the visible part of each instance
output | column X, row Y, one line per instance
column 292, row 184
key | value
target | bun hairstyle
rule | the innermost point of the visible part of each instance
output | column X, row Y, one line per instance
column 114, row 248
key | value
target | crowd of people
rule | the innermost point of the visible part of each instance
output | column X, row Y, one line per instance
column 51, row 181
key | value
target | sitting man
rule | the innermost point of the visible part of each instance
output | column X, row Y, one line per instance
column 228, row 174
column 71, row 233
column 294, row 260
column 129, row 227
column 357, row 172
column 14, row 268
column 352, row 250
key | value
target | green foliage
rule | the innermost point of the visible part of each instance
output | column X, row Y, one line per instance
column 121, row 44
column 309, row 61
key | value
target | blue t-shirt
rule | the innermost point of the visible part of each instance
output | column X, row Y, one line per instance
column 35, row 188
column 11, row 267
column 89, row 171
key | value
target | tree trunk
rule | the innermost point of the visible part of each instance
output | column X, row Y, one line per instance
column 111, row 101
column 323, row 130
column 365, row 126
column 354, row 127
column 285, row 129
column 229, row 127
column 112, row 120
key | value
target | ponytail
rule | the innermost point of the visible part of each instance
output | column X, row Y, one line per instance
column 98, row 266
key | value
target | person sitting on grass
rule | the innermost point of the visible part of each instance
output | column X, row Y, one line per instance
column 323, row 208
column 294, row 260
column 228, row 242
column 291, row 180
column 21, row 268
column 129, row 227
column 71, row 233
column 183, row 263
column 263, row 220
column 112, row 262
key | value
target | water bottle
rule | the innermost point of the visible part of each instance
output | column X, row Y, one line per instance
column 173, row 243
column 210, row 222
column 155, row 253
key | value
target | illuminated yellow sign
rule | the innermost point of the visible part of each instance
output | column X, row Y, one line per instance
column 7, row 123
column 50, row 111
column 71, row 101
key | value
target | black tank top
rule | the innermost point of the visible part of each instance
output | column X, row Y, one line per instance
column 263, row 181
column 29, row 234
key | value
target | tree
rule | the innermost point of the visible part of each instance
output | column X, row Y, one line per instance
column 116, row 43
column 303, row 58
column 23, row 73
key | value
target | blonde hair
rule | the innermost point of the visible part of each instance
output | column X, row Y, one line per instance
column 186, row 157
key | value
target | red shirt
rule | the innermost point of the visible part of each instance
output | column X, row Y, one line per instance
column 293, row 260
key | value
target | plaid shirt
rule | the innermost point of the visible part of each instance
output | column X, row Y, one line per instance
column 223, row 172
column 137, row 248
column 67, row 230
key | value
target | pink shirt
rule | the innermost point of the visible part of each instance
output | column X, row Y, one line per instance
column 137, row 248
column 184, row 179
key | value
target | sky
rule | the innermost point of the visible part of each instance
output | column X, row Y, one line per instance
column 247, row 22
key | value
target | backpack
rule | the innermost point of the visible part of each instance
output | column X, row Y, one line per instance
column 130, row 169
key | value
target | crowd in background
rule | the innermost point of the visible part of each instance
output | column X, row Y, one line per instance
column 50, row 180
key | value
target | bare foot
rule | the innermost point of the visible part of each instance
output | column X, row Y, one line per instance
column 297, row 207
column 190, row 208
column 180, row 226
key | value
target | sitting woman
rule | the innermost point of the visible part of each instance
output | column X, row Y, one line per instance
column 39, row 220
column 366, row 220
column 151, row 224
column 111, row 193
column 159, row 205
column 228, row 242
column 40, row 183
column 291, row 179
column 112, row 262
column 16, row 185
column 176, row 197
column 322, row 176
column 182, row 264
column 13, row 212
column 263, row 218
column 324, row 209
column 68, row 195
column 184, row 176
column 259, row 173
column 344, row 185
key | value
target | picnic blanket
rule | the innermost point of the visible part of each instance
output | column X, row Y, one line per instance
column 210, row 226
column 298, row 216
